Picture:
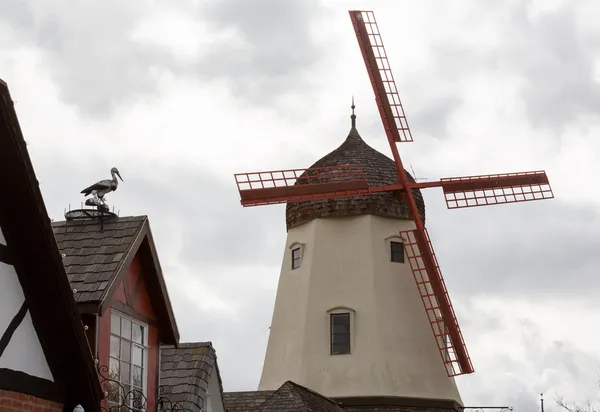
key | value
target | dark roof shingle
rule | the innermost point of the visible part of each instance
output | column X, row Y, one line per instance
column 293, row 397
column 185, row 372
column 93, row 257
column 245, row 401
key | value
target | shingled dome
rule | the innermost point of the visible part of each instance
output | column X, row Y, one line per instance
column 379, row 170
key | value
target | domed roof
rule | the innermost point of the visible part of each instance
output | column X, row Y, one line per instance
column 379, row 170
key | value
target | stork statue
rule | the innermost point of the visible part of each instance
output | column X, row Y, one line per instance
column 101, row 188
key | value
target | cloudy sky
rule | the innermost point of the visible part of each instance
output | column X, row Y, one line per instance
column 181, row 95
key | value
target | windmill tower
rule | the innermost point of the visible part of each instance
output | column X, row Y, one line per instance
column 362, row 308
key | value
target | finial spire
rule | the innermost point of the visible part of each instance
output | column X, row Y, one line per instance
column 353, row 117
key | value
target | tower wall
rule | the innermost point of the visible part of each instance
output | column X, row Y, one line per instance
column 346, row 267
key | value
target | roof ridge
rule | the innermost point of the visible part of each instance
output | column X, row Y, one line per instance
column 132, row 218
column 310, row 391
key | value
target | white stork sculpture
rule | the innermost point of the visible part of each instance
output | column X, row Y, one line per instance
column 101, row 188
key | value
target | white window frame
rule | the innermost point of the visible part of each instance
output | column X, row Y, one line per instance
column 144, row 346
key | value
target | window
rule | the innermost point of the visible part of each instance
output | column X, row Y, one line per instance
column 397, row 249
column 128, row 357
column 340, row 333
column 296, row 257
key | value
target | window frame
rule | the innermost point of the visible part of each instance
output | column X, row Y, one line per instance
column 144, row 346
column 331, row 314
column 394, row 253
column 296, row 261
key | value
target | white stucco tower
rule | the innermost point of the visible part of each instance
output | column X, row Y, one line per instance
column 348, row 318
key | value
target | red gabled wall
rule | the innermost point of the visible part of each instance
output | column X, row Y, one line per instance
column 133, row 293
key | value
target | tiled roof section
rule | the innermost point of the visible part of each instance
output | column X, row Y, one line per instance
column 245, row 401
column 379, row 170
column 293, row 397
column 185, row 372
column 93, row 257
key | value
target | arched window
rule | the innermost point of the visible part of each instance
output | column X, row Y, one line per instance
column 341, row 330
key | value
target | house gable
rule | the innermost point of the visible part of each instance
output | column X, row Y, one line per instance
column 98, row 256
column 45, row 352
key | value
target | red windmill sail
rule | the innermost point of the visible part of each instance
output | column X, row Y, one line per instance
column 297, row 185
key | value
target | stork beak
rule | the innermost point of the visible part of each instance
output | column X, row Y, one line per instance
column 119, row 174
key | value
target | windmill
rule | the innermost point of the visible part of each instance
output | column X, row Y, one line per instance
column 300, row 185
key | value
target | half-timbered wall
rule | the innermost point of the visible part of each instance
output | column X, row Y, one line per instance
column 21, row 353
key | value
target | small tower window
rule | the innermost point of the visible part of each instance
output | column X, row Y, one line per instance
column 340, row 333
column 296, row 257
column 397, row 252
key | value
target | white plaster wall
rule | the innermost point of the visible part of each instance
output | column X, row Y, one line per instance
column 347, row 263
column 24, row 352
column 214, row 398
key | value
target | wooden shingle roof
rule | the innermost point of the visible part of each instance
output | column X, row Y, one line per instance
column 379, row 170
column 185, row 373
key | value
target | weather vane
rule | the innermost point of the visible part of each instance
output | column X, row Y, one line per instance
column 100, row 189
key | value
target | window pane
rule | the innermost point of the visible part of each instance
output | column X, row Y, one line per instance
column 113, row 369
column 137, row 401
column 125, row 396
column 126, row 328
column 137, row 333
column 114, row 346
column 137, row 376
column 115, row 324
column 296, row 253
column 340, row 339
column 340, row 349
column 343, row 329
column 397, row 249
column 125, row 372
column 137, row 356
column 125, row 351
column 113, row 394
column 340, row 319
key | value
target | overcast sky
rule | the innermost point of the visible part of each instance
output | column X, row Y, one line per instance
column 181, row 95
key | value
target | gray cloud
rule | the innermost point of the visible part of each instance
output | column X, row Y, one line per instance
column 557, row 60
column 279, row 46
column 558, row 366
column 433, row 118
column 88, row 52
column 547, row 247
column 549, row 51
column 97, row 65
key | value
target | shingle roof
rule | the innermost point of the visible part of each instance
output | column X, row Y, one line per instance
column 379, row 170
column 97, row 256
column 92, row 257
column 185, row 372
column 245, row 401
column 293, row 397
